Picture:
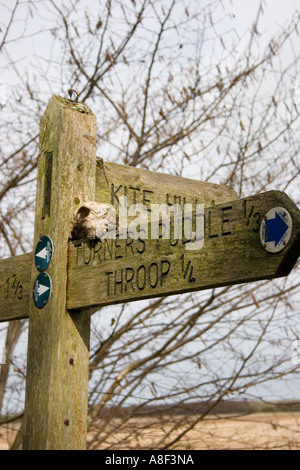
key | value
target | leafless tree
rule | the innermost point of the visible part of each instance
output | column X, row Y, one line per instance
column 175, row 88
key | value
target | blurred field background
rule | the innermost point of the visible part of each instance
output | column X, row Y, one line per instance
column 234, row 426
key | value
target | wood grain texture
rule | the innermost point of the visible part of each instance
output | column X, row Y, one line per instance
column 15, row 287
column 58, row 345
column 112, row 181
column 147, row 187
column 113, row 271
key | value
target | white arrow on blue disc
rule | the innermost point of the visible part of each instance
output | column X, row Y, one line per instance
column 276, row 229
column 43, row 253
column 41, row 290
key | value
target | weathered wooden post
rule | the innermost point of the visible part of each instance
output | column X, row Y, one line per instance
column 58, row 345
column 243, row 240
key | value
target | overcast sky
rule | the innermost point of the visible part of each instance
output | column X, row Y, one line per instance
column 277, row 13
column 241, row 14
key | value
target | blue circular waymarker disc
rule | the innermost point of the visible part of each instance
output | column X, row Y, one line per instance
column 276, row 229
column 41, row 290
column 43, row 253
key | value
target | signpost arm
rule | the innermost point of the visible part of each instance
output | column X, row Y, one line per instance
column 58, row 346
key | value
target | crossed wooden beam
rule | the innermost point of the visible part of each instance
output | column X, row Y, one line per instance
column 64, row 280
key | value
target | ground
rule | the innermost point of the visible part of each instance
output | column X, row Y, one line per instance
column 256, row 431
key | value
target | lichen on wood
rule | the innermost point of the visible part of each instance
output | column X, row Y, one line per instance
column 56, row 392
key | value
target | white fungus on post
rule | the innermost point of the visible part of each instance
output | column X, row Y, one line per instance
column 94, row 220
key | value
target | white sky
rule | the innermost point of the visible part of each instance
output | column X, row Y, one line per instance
column 277, row 13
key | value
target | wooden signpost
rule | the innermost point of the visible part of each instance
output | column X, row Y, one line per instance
column 57, row 285
column 112, row 182
column 148, row 187
column 15, row 287
column 110, row 271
